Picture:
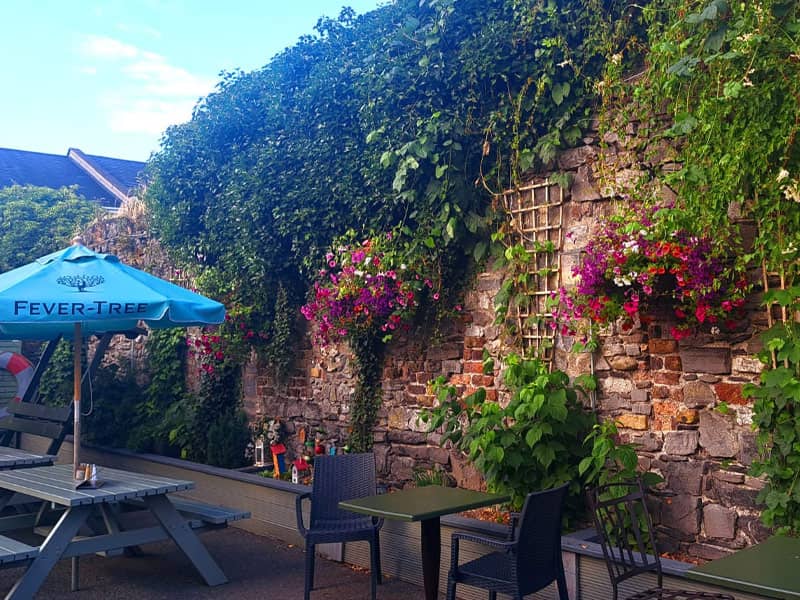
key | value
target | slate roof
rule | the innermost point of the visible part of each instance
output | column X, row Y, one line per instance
column 102, row 179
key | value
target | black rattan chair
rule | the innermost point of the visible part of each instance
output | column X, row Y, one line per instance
column 528, row 561
column 338, row 478
column 629, row 546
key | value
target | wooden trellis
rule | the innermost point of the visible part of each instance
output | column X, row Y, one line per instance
column 536, row 213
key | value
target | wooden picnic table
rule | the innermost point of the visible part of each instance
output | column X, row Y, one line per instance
column 55, row 484
column 14, row 458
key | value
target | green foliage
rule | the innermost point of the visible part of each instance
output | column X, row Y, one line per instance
column 534, row 443
column 610, row 460
column 732, row 76
column 166, row 352
column 776, row 413
column 279, row 351
column 56, row 387
column 434, row 476
column 383, row 119
column 228, row 437
column 35, row 221
column 732, row 72
column 110, row 411
column 368, row 351
column 218, row 397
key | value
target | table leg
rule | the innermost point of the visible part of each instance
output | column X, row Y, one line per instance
column 177, row 528
column 431, row 556
column 50, row 552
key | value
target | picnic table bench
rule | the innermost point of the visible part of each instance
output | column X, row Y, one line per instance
column 198, row 514
column 12, row 552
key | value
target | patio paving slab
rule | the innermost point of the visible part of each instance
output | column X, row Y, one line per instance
column 257, row 567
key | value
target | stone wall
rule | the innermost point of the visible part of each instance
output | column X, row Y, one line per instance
column 680, row 402
column 667, row 397
column 317, row 395
column 125, row 234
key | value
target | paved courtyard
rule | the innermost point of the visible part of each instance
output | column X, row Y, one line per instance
column 258, row 567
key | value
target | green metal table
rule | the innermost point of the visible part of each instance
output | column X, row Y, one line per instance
column 770, row 569
column 425, row 504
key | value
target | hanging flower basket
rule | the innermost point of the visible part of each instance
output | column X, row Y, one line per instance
column 635, row 264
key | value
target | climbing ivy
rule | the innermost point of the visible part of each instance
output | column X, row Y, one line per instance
column 409, row 115
column 368, row 351
column 777, row 408
column 728, row 75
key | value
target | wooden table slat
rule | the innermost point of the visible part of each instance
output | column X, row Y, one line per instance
column 55, row 484
column 11, row 458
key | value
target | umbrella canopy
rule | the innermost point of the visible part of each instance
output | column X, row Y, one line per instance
column 80, row 292
column 45, row 298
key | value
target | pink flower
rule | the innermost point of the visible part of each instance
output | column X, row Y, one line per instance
column 700, row 312
column 436, row 296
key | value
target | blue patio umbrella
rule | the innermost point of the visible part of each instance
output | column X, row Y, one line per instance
column 82, row 292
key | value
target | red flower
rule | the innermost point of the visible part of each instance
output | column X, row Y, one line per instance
column 679, row 333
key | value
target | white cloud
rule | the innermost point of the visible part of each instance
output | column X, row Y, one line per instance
column 99, row 46
column 139, row 30
column 160, row 78
column 148, row 116
column 145, row 93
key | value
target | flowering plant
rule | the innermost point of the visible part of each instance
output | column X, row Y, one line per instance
column 227, row 343
column 374, row 283
column 637, row 257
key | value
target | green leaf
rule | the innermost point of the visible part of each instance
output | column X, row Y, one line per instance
column 533, row 436
column 450, row 228
column 386, row 158
column 374, row 135
column 560, row 91
column 479, row 251
column 732, row 89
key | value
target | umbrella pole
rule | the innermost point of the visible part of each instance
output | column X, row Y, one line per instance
column 76, row 399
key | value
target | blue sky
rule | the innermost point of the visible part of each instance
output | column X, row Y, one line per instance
column 108, row 76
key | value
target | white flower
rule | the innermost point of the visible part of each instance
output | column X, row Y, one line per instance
column 715, row 330
column 359, row 272
column 632, row 246
column 622, row 281
column 367, row 260
column 782, row 175
column 403, row 267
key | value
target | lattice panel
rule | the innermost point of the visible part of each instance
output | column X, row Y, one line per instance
column 537, row 214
